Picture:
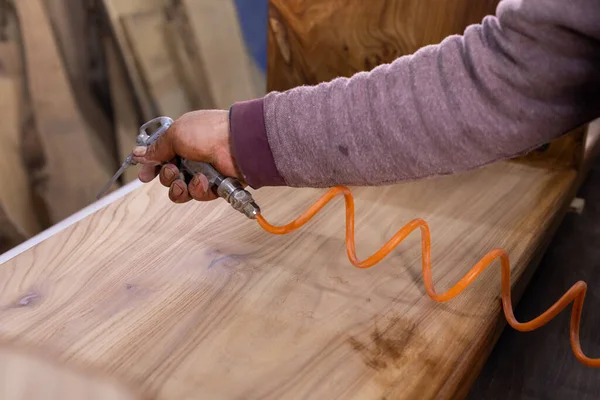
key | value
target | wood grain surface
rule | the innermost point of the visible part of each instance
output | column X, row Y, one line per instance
column 75, row 165
column 196, row 301
column 148, row 37
column 222, row 51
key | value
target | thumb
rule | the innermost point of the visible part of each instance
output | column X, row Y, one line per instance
column 158, row 152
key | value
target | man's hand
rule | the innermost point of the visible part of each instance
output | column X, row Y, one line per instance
column 196, row 136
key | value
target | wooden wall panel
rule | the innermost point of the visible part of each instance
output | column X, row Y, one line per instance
column 312, row 41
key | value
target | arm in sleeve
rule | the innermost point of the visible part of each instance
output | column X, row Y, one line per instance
column 519, row 79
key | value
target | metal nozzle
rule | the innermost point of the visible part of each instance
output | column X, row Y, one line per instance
column 228, row 188
column 240, row 199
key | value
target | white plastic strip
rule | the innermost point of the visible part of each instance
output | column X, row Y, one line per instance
column 78, row 216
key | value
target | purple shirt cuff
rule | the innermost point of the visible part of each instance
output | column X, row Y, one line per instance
column 250, row 146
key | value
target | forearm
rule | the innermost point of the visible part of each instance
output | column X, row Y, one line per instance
column 506, row 86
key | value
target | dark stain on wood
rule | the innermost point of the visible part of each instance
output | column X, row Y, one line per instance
column 386, row 351
column 386, row 347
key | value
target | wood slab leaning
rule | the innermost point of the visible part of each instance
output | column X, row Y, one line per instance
column 122, row 100
column 76, row 165
column 148, row 37
column 18, row 220
column 222, row 51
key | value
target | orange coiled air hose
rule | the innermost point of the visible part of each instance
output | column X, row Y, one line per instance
column 576, row 294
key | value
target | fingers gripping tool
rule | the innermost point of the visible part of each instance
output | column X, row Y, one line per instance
column 228, row 188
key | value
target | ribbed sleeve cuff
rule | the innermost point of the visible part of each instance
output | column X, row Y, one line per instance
column 250, row 146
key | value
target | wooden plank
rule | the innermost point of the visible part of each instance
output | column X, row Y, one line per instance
column 74, row 167
column 147, row 35
column 65, row 223
column 186, row 59
column 67, row 18
column 117, row 9
column 224, row 57
column 17, row 213
column 230, row 311
column 11, row 66
column 72, row 27
column 32, row 151
column 20, row 219
column 10, row 59
column 125, row 115
column 8, row 22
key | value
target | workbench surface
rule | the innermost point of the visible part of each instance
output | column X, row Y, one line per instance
column 195, row 301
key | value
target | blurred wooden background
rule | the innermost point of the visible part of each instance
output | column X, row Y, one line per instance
column 78, row 77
